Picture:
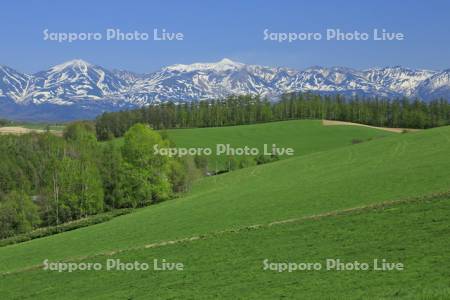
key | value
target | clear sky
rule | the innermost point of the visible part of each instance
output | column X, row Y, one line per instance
column 233, row 29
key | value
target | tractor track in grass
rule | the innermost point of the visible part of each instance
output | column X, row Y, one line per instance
column 343, row 212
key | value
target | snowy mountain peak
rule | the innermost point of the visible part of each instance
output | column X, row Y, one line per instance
column 228, row 62
column 225, row 64
column 73, row 81
column 72, row 64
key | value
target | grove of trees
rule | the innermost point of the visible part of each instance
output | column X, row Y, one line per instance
column 46, row 180
column 239, row 110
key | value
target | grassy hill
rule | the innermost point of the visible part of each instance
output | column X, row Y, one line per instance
column 304, row 136
column 396, row 167
column 231, row 265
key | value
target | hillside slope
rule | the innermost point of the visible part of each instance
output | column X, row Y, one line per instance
column 395, row 167
column 231, row 265
column 304, row 136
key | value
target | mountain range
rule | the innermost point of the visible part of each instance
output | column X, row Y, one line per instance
column 79, row 90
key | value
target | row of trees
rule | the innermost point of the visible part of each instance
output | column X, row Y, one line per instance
column 47, row 180
column 4, row 122
column 238, row 110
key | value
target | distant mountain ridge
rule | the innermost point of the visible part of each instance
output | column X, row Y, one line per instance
column 78, row 89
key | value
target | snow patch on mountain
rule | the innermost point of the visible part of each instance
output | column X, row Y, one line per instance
column 401, row 80
column 436, row 86
column 221, row 66
column 13, row 85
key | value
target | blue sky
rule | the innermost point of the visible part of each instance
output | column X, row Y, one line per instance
column 234, row 29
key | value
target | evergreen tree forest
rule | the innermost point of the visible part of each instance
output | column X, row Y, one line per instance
column 240, row 110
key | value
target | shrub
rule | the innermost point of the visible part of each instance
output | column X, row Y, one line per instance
column 47, row 231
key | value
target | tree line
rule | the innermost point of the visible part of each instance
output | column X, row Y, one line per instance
column 240, row 110
column 47, row 180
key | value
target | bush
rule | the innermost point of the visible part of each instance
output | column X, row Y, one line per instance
column 18, row 214
column 47, row 231
column 264, row 159
column 246, row 162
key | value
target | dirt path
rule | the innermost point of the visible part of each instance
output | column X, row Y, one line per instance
column 397, row 130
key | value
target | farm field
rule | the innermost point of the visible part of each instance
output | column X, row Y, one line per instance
column 304, row 136
column 383, row 198
column 392, row 168
column 28, row 128
column 38, row 126
column 231, row 265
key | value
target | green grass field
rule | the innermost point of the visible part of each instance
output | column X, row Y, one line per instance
column 304, row 136
column 332, row 175
column 230, row 265
column 38, row 126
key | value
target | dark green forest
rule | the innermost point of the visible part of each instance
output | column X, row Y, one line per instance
column 47, row 180
column 240, row 110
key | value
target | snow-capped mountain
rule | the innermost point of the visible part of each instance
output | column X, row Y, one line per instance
column 78, row 89
column 72, row 81
column 401, row 80
column 127, row 76
column 13, row 85
column 198, row 81
column 334, row 80
column 436, row 86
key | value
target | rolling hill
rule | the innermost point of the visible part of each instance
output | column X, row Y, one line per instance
column 230, row 265
column 304, row 136
column 311, row 186
column 384, row 169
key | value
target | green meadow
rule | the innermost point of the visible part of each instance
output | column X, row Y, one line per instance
column 231, row 265
column 303, row 136
column 39, row 126
column 330, row 173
